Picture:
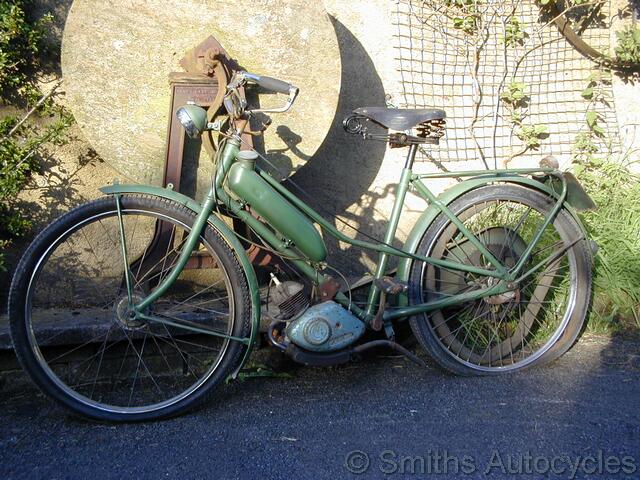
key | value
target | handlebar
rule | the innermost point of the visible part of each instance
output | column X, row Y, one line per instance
column 269, row 83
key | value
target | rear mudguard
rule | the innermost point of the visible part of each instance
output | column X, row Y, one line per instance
column 576, row 197
column 224, row 231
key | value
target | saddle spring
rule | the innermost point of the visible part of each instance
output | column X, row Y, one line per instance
column 430, row 131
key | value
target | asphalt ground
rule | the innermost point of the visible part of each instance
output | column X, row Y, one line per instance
column 379, row 417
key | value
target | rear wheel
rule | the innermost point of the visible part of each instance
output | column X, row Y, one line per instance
column 536, row 322
column 70, row 325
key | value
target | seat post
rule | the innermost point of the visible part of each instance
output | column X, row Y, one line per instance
column 411, row 156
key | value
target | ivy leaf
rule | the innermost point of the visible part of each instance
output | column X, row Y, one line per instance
column 592, row 119
column 587, row 93
column 516, row 117
column 598, row 130
column 539, row 129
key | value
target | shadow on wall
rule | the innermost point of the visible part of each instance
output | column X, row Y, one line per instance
column 343, row 168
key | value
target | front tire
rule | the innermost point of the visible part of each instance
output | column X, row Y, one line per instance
column 68, row 296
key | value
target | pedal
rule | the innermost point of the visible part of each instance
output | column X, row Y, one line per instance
column 391, row 286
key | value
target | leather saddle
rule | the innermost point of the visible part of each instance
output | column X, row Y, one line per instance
column 400, row 119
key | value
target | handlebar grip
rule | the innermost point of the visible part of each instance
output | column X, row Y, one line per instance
column 272, row 84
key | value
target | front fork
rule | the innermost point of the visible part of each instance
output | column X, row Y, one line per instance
column 141, row 309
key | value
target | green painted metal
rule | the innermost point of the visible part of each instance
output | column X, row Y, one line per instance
column 536, row 238
column 197, row 115
column 389, row 237
column 125, row 256
column 284, row 249
column 576, row 195
column 378, row 247
column 451, row 194
column 244, row 185
column 190, row 245
column 491, row 173
column 405, row 311
column 226, row 158
column 433, row 200
column 224, row 231
column 276, row 210
column 550, row 259
column 192, row 328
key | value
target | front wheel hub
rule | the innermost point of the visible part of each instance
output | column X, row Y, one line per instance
column 125, row 315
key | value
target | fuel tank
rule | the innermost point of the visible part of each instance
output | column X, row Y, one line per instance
column 286, row 219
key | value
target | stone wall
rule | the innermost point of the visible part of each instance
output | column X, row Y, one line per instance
column 356, row 66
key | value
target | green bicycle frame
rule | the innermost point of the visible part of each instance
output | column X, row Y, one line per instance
column 218, row 194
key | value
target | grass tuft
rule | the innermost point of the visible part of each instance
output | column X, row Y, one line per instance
column 615, row 226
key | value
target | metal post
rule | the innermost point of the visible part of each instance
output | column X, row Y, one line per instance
column 392, row 227
column 411, row 156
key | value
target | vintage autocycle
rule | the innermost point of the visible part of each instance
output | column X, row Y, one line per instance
column 494, row 277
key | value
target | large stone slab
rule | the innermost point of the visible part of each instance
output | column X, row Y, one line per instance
column 117, row 55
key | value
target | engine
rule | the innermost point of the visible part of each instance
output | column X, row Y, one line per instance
column 325, row 327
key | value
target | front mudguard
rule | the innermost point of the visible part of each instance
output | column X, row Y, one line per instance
column 576, row 200
column 226, row 233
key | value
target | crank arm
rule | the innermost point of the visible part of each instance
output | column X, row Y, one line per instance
column 193, row 327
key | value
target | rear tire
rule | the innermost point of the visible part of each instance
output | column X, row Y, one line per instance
column 451, row 336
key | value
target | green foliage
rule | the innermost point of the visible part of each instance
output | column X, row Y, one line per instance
column 460, row 3
column 587, row 93
column 468, row 24
column 628, row 48
column 584, row 146
column 574, row 2
column 595, row 91
column 21, row 42
column 466, row 17
column 21, row 139
column 531, row 135
column 513, row 33
column 593, row 119
column 516, row 99
column 514, row 93
column 615, row 227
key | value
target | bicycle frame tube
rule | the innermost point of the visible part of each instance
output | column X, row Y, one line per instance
column 228, row 156
column 378, row 247
column 385, row 248
column 189, row 246
column 407, row 180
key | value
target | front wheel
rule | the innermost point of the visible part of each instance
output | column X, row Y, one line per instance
column 539, row 319
column 69, row 317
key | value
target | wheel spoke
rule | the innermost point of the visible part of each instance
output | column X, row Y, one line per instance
column 111, row 358
column 510, row 329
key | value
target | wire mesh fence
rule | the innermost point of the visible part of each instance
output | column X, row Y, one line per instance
column 463, row 61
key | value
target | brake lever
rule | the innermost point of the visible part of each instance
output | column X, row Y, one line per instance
column 293, row 93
